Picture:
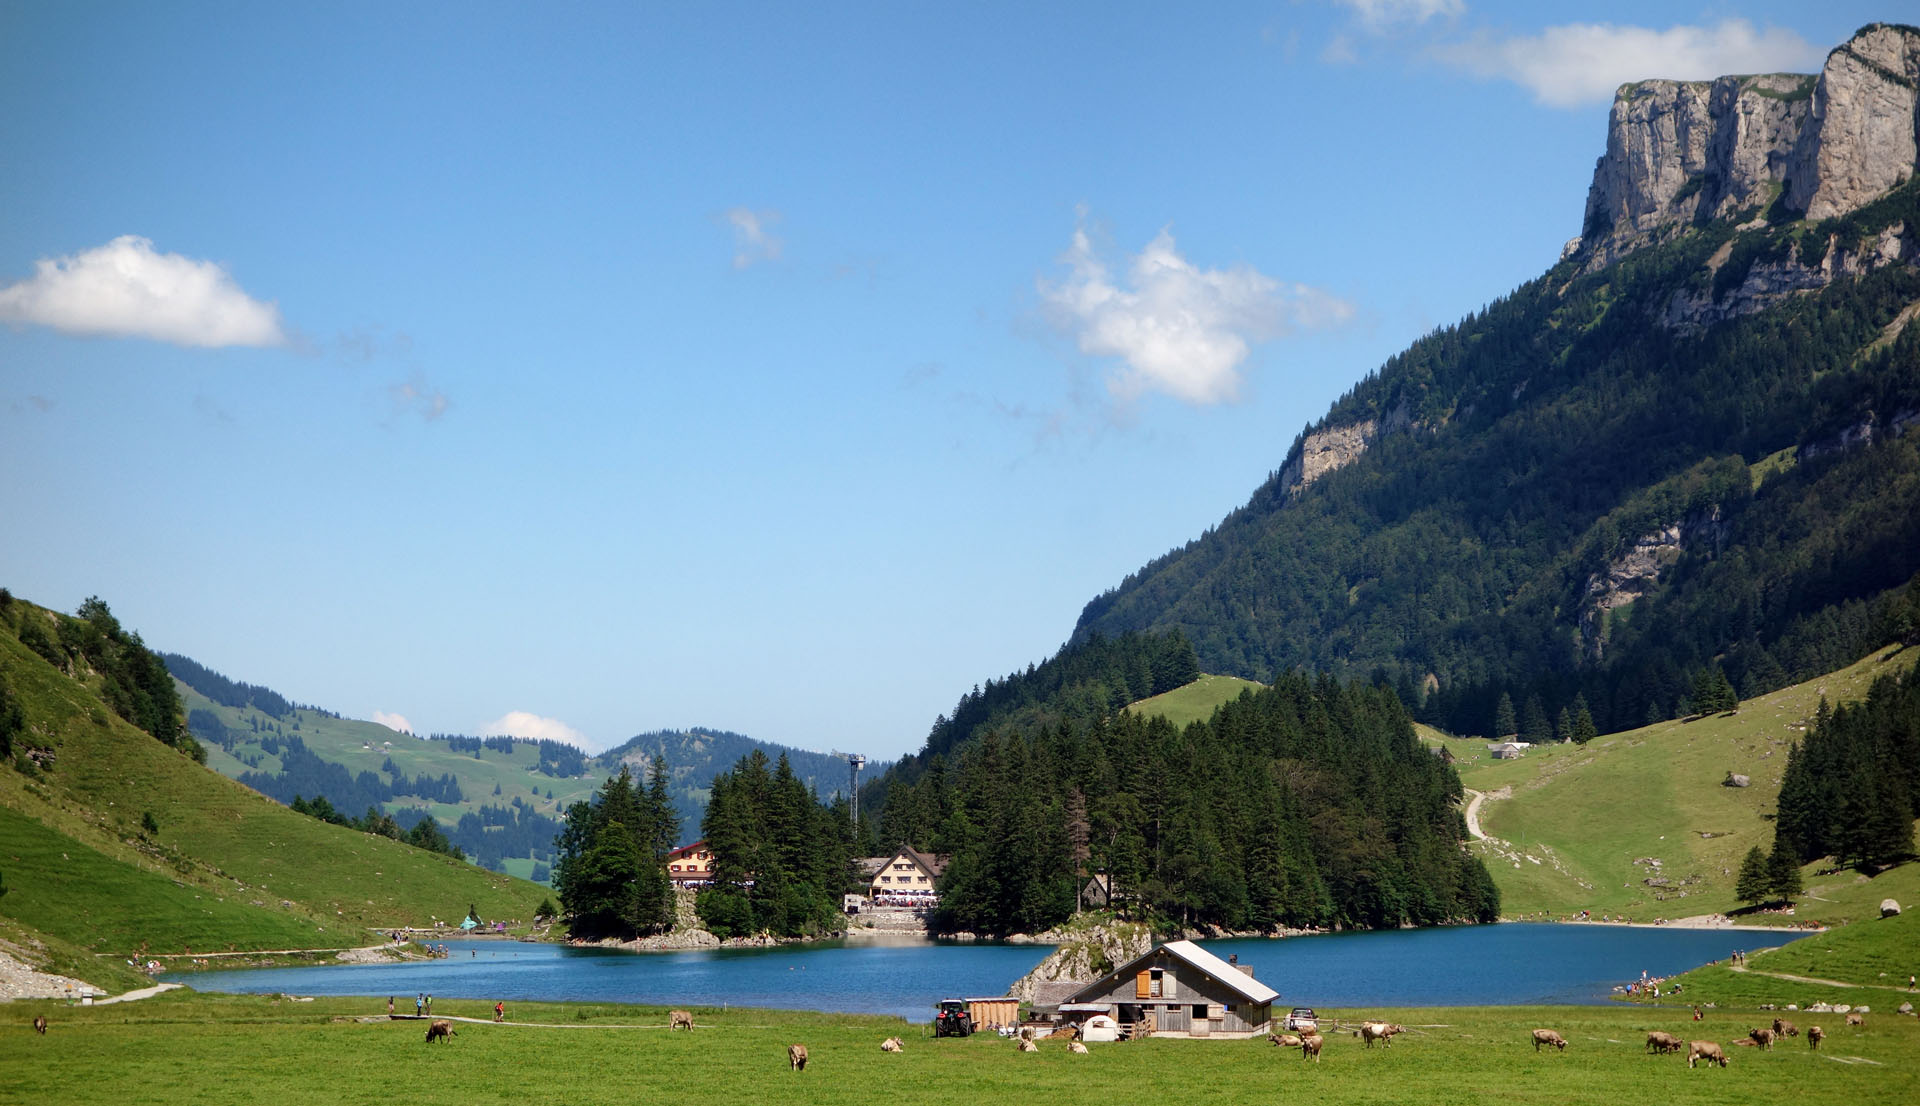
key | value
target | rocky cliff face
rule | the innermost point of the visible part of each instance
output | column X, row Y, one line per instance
column 1636, row 572
column 1683, row 153
column 1323, row 451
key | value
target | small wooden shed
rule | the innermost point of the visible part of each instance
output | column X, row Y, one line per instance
column 1181, row 989
column 994, row 1012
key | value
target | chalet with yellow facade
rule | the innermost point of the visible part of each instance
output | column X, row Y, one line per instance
column 907, row 878
column 691, row 865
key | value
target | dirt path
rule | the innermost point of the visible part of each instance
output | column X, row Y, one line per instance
column 1473, row 814
column 1802, row 978
column 136, row 996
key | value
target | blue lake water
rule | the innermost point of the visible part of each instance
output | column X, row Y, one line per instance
column 1517, row 964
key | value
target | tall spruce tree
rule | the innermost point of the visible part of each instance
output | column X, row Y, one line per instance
column 1754, row 882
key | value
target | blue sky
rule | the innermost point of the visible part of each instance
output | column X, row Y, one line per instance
column 786, row 369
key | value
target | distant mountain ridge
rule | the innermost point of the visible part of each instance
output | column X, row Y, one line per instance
column 499, row 799
column 1689, row 444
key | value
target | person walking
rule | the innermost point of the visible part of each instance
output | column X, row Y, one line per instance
column 499, row 1011
column 389, row 1006
column 429, row 1005
column 418, row 1001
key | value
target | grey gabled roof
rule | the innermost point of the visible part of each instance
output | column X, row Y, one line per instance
column 1229, row 975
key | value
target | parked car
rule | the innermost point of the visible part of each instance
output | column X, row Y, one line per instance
column 1303, row 1020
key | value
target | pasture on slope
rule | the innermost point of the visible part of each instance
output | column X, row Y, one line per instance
column 1581, row 821
column 364, row 746
column 1194, row 702
column 267, row 870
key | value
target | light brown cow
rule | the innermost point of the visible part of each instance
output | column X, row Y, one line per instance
column 1027, row 1045
column 1548, row 1037
column 891, row 1044
column 1762, row 1037
column 1709, row 1051
column 1662, row 1043
column 678, row 1019
column 797, row 1057
column 1855, row 1019
column 1285, row 1040
column 1782, row 1028
column 1815, row 1035
column 1076, row 1047
column 440, row 1030
column 1310, row 1047
column 1380, row 1031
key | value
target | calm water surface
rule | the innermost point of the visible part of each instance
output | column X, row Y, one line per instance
column 1518, row 964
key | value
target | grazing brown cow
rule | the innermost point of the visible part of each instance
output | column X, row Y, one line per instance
column 1077, row 1047
column 1709, row 1051
column 1855, row 1019
column 1662, row 1043
column 1783, row 1028
column 677, row 1019
column 797, row 1057
column 1815, row 1035
column 440, row 1030
column 1284, row 1040
column 892, row 1044
column 1310, row 1047
column 40, row 1024
column 1380, row 1031
column 1548, row 1037
column 1762, row 1037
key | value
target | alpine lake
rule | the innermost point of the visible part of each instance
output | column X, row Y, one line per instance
column 1495, row 965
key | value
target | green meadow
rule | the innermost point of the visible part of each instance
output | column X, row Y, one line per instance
column 182, row 1049
column 1580, row 826
column 1194, row 702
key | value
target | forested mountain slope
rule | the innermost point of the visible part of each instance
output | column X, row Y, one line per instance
column 1690, row 443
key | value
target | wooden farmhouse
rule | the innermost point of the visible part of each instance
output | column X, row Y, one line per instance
column 1182, row 990
column 907, row 878
column 690, row 865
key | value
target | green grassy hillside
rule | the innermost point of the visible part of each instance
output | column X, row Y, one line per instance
column 1581, row 826
column 225, row 867
column 1194, row 702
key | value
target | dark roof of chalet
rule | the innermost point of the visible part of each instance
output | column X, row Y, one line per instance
column 1053, row 992
column 1194, row 956
column 689, row 848
column 935, row 865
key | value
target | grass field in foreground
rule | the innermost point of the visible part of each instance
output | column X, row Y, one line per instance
column 211, row 1050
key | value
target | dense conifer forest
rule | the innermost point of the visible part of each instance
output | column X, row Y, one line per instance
column 1306, row 804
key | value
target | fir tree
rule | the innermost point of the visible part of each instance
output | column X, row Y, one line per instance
column 1504, row 724
column 1754, row 882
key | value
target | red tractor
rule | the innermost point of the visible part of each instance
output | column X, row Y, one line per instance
column 953, row 1019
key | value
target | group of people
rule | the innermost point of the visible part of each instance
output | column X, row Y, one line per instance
column 423, row 1007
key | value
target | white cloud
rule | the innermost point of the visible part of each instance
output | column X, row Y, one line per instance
column 1379, row 14
column 753, row 238
column 1180, row 330
column 520, row 723
column 126, row 290
column 396, row 722
column 1583, row 63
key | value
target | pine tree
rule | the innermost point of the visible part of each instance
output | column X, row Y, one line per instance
column 1534, row 728
column 1754, row 881
column 1583, row 729
column 1504, row 724
column 1563, row 726
column 1783, row 875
